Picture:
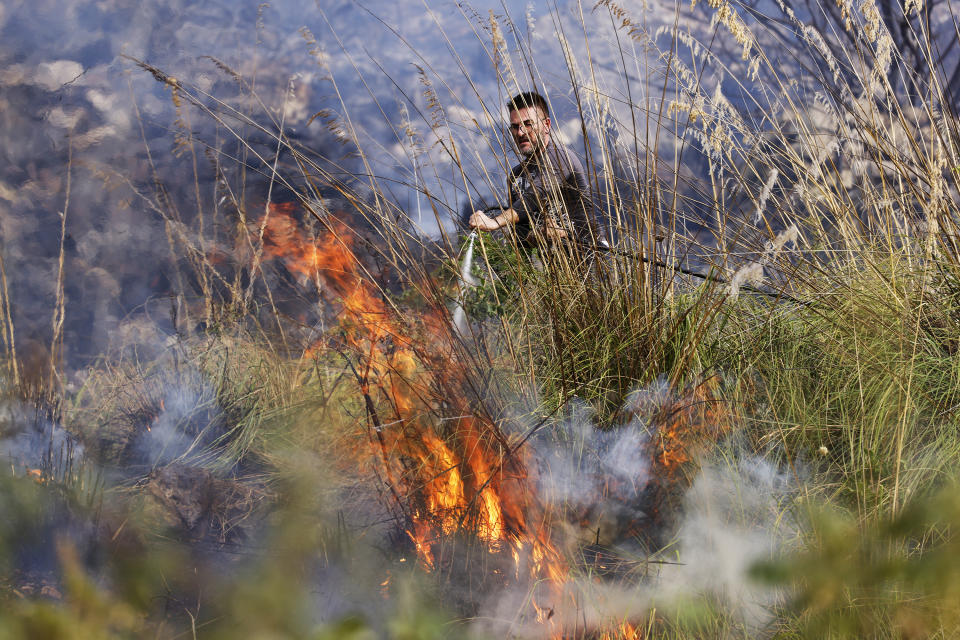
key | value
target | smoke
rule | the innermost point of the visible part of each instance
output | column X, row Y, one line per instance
column 188, row 422
column 31, row 443
column 587, row 469
column 734, row 516
column 734, row 513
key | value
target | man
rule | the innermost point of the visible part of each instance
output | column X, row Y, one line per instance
column 547, row 191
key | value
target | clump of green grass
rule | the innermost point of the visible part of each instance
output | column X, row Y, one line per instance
column 593, row 329
column 858, row 373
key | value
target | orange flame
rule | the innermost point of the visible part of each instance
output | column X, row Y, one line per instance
column 684, row 425
column 458, row 480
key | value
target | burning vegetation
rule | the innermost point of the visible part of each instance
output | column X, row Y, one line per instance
column 455, row 478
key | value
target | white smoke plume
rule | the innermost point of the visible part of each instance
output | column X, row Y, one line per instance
column 30, row 442
column 734, row 514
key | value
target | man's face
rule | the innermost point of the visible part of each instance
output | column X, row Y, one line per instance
column 530, row 128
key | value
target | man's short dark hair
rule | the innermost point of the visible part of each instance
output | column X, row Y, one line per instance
column 528, row 99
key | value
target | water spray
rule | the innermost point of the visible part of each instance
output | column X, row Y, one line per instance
column 467, row 282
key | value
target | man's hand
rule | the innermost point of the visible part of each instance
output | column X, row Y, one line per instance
column 554, row 231
column 483, row 222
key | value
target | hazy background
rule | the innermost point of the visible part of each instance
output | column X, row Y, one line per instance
column 66, row 88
